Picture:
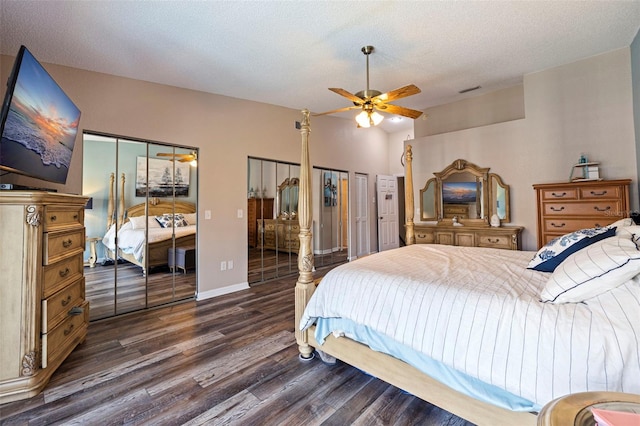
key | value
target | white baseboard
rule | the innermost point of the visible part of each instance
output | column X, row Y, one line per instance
column 221, row 291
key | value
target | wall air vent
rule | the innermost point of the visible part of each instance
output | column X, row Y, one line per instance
column 470, row 89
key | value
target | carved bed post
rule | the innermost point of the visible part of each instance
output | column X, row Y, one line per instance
column 110, row 204
column 304, row 285
column 121, row 202
column 408, row 196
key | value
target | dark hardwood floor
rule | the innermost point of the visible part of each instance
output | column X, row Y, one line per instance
column 228, row 360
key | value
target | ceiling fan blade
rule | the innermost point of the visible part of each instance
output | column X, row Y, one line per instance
column 402, row 92
column 350, row 96
column 338, row 110
column 395, row 109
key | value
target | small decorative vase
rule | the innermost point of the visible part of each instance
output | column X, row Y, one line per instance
column 495, row 221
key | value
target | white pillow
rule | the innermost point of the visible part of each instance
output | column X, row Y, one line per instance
column 190, row 218
column 593, row 270
column 138, row 222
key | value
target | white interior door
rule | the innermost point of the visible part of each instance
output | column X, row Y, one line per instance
column 362, row 215
column 387, row 193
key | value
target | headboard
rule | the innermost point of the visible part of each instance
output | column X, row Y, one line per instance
column 158, row 207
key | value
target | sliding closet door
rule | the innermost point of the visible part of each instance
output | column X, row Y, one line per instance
column 132, row 183
column 331, row 216
column 272, row 219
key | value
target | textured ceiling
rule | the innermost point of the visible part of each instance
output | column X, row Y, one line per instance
column 288, row 53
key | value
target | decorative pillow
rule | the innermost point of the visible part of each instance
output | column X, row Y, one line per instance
column 138, row 222
column 191, row 218
column 593, row 270
column 558, row 249
column 168, row 220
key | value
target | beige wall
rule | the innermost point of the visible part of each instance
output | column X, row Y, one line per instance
column 582, row 107
column 227, row 131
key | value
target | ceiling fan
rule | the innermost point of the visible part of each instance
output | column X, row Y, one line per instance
column 370, row 100
column 191, row 157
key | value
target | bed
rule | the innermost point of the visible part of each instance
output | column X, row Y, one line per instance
column 145, row 232
column 466, row 329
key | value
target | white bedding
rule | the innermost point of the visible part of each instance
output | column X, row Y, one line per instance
column 132, row 241
column 478, row 311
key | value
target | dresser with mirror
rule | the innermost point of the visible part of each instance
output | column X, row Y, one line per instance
column 282, row 232
column 458, row 206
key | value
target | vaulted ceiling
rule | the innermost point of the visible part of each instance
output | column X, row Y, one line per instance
column 288, row 53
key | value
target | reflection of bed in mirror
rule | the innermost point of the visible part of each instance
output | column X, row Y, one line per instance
column 142, row 239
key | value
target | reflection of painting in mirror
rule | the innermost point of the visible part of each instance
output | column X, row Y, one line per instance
column 162, row 180
column 330, row 189
column 459, row 192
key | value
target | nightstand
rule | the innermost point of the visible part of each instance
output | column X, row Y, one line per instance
column 575, row 410
column 92, row 251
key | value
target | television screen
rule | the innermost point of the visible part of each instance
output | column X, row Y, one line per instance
column 38, row 124
column 459, row 192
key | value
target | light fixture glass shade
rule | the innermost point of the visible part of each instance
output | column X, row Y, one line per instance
column 366, row 119
column 377, row 118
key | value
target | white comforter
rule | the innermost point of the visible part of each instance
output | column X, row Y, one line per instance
column 132, row 241
column 478, row 311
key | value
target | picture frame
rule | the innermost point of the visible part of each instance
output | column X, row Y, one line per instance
column 165, row 178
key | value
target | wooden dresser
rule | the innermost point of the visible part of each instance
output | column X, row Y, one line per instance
column 43, row 311
column 282, row 234
column 570, row 206
column 257, row 209
column 503, row 237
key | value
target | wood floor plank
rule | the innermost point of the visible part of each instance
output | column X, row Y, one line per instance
column 228, row 360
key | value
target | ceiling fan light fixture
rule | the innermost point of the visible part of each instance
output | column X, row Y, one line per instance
column 368, row 118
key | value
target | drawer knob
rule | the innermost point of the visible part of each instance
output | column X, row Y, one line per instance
column 66, row 301
column 53, row 218
column 562, row 225
column 562, row 194
column 556, row 209
column 68, row 330
column 602, row 210
column 67, row 243
column 75, row 217
column 64, row 273
column 598, row 194
column 76, row 310
column 493, row 241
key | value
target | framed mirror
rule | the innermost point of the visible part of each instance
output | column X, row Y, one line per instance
column 499, row 198
column 467, row 192
column 463, row 193
column 429, row 201
column 287, row 198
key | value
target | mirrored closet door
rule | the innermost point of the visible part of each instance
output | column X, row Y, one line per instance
column 272, row 218
column 331, row 217
column 141, row 223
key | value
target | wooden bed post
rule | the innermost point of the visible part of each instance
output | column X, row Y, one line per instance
column 304, row 285
column 110, row 204
column 121, row 202
column 408, row 196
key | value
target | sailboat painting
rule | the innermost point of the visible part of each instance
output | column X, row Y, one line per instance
column 164, row 178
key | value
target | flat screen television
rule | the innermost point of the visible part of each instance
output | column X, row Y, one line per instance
column 38, row 123
column 459, row 192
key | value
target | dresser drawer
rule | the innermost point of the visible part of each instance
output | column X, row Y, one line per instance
column 60, row 245
column 587, row 208
column 60, row 274
column 56, row 308
column 601, row 192
column 564, row 226
column 61, row 217
column 495, row 241
column 60, row 341
column 560, row 194
column 424, row 238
